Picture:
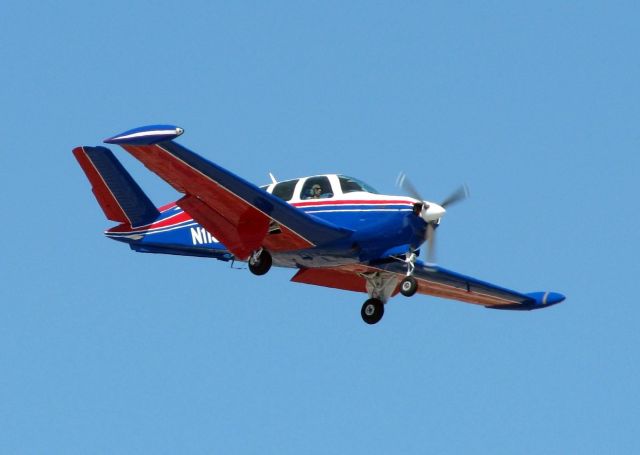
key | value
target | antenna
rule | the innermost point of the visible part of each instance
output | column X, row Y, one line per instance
column 273, row 179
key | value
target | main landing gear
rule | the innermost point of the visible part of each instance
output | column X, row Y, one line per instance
column 372, row 311
column 260, row 262
column 380, row 286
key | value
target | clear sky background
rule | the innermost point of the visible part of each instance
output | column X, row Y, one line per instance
column 535, row 106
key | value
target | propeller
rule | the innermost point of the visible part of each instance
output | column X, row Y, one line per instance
column 458, row 195
column 431, row 212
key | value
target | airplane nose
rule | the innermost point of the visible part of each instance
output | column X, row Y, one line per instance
column 433, row 212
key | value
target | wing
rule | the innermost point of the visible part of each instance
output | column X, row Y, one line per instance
column 241, row 215
column 432, row 280
column 440, row 282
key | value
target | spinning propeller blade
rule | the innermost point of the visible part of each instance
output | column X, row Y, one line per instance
column 432, row 212
column 458, row 195
column 404, row 183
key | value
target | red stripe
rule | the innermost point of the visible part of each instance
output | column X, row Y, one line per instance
column 166, row 207
column 168, row 222
column 352, row 202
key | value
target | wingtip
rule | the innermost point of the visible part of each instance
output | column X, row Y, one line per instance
column 547, row 298
column 146, row 135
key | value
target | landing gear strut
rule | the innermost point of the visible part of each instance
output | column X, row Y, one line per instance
column 411, row 262
column 409, row 285
column 260, row 262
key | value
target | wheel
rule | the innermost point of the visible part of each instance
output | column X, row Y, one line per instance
column 372, row 311
column 408, row 286
column 261, row 264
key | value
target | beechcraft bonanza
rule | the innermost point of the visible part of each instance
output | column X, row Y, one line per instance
column 336, row 231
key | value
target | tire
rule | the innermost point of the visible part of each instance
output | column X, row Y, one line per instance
column 408, row 286
column 262, row 264
column 372, row 311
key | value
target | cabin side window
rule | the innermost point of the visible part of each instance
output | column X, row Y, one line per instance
column 316, row 188
column 284, row 190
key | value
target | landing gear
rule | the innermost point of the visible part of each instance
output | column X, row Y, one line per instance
column 408, row 286
column 372, row 311
column 260, row 262
column 380, row 286
column 410, row 260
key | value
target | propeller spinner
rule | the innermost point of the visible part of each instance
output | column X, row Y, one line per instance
column 431, row 212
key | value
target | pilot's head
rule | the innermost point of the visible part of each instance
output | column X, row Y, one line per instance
column 316, row 190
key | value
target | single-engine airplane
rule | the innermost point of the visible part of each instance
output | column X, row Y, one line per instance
column 335, row 230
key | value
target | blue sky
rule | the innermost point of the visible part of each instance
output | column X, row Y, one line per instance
column 534, row 106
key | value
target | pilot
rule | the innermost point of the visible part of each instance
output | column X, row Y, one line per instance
column 316, row 191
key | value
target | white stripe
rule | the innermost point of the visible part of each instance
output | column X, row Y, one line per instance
column 126, row 234
column 146, row 133
column 165, row 219
column 337, row 204
column 170, row 208
column 180, row 224
column 357, row 210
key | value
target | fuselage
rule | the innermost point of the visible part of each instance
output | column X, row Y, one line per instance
column 381, row 224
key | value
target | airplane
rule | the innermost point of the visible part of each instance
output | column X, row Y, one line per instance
column 334, row 230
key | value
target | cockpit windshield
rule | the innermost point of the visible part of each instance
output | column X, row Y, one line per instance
column 351, row 185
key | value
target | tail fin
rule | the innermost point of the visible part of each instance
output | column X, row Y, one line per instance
column 120, row 197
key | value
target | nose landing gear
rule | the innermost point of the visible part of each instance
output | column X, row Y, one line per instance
column 409, row 285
